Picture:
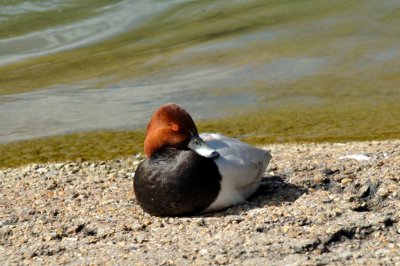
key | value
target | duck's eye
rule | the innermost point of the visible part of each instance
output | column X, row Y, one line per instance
column 197, row 142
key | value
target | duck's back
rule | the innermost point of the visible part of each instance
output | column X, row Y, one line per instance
column 241, row 166
column 176, row 182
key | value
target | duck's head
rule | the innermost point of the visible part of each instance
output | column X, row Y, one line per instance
column 172, row 127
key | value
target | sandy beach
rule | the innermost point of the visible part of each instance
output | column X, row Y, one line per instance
column 318, row 204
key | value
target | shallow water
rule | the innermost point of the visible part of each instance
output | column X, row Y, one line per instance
column 68, row 66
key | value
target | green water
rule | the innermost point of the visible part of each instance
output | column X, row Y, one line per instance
column 271, row 71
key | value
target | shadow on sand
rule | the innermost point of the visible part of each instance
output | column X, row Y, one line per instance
column 273, row 191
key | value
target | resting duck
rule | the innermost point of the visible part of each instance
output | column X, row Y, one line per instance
column 187, row 173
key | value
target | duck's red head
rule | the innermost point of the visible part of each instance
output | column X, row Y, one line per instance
column 172, row 127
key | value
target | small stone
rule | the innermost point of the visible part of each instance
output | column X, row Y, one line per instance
column 346, row 181
column 338, row 178
column 310, row 167
column 147, row 222
column 383, row 192
column 201, row 222
column 203, row 252
column 75, row 169
column 41, row 170
column 27, row 252
column 167, row 262
column 92, row 240
column 259, row 228
column 53, row 185
column 112, row 176
column 121, row 244
column 328, row 171
column 318, row 251
column 319, row 179
column 393, row 188
column 221, row 259
column 364, row 191
column 326, row 200
column 349, row 197
column 359, row 206
column 392, row 177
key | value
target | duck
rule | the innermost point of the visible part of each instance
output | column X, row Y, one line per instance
column 187, row 173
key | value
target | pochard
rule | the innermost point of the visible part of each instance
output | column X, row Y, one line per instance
column 186, row 173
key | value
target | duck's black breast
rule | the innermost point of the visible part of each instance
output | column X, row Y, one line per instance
column 176, row 182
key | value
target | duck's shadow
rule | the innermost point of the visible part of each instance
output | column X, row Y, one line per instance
column 273, row 191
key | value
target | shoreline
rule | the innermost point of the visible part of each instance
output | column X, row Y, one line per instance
column 109, row 145
column 319, row 203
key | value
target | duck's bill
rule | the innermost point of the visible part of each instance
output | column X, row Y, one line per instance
column 197, row 145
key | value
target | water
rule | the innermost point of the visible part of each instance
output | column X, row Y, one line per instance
column 68, row 66
column 123, row 106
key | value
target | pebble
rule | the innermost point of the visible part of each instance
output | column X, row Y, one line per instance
column 203, row 252
column 383, row 191
column 346, row 181
column 320, row 178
